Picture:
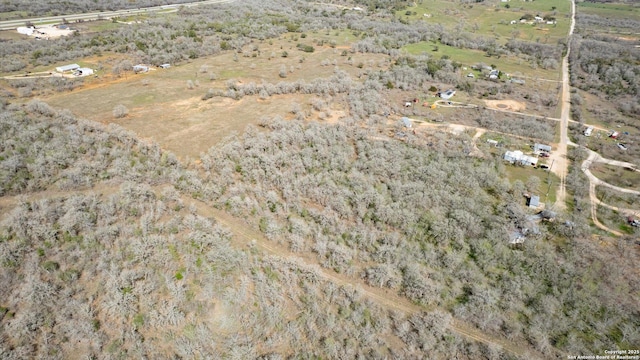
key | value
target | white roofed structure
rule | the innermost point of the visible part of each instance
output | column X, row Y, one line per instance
column 65, row 68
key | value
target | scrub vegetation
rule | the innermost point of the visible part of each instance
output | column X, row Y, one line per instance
column 262, row 198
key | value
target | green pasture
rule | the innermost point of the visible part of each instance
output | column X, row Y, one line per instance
column 469, row 57
column 492, row 18
column 610, row 10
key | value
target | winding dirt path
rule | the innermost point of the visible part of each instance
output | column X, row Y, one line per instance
column 245, row 236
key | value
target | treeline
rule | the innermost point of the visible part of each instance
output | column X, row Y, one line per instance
column 54, row 8
column 69, row 153
column 424, row 219
column 206, row 30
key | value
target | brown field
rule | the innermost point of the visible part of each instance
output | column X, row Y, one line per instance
column 162, row 108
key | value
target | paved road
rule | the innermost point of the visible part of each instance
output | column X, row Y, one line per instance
column 49, row 20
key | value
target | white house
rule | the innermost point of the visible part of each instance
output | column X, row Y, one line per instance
column 448, row 94
column 520, row 158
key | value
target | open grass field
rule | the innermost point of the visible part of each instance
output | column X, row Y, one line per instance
column 508, row 64
column 524, row 173
column 162, row 107
column 493, row 17
column 611, row 10
column 9, row 15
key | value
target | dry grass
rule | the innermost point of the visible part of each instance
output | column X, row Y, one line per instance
column 162, row 108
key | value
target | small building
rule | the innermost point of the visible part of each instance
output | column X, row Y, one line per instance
column 493, row 142
column 448, row 94
column 406, row 122
column 538, row 148
column 140, row 68
column 65, row 68
column 25, row 30
column 518, row 157
column 588, row 131
column 83, row 72
column 533, row 201
column 165, row 66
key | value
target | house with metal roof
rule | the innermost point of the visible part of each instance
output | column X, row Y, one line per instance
column 533, row 201
column 537, row 148
column 518, row 157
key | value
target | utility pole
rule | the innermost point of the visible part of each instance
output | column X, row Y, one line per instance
column 549, row 180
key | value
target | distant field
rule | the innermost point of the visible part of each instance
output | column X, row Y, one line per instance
column 508, row 64
column 493, row 17
column 163, row 108
column 611, row 10
column 10, row 15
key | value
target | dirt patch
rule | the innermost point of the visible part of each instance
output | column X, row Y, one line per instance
column 508, row 105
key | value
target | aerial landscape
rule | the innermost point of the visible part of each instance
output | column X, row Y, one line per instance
column 328, row 179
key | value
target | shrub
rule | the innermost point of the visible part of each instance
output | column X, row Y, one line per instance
column 120, row 111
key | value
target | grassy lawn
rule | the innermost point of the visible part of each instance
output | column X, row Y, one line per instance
column 524, row 173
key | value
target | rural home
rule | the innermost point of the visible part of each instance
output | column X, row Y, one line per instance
column 448, row 94
column 65, row 68
column 518, row 157
column 538, row 148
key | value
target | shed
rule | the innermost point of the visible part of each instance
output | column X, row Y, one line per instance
column 406, row 122
column 533, row 201
column 541, row 147
column 65, row 68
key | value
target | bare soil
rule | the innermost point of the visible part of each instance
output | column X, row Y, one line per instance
column 508, row 105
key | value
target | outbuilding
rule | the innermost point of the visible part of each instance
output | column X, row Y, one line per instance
column 65, row 68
